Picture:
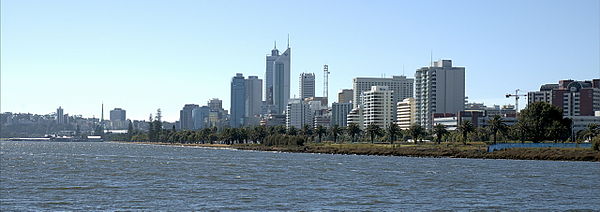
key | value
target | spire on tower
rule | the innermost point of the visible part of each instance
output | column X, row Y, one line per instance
column 274, row 44
column 288, row 44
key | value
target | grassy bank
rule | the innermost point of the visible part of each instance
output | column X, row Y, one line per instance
column 432, row 150
column 451, row 150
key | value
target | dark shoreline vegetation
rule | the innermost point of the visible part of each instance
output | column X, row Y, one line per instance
column 476, row 150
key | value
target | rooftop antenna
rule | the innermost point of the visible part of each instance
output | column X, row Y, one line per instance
column 288, row 44
column 275, row 44
column 431, row 58
column 102, row 114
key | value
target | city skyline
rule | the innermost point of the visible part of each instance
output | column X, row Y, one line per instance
column 78, row 70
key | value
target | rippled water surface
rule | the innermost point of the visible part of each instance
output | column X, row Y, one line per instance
column 115, row 176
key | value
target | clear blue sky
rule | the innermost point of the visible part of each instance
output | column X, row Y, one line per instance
column 143, row 55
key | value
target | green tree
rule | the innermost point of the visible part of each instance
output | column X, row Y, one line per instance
column 496, row 126
column 374, row 131
column 439, row 130
column 465, row 128
column 417, row 132
column 335, row 131
column 392, row 131
column 129, row 131
column 307, row 131
column 292, row 130
column 537, row 118
column 353, row 131
column 320, row 130
column 591, row 131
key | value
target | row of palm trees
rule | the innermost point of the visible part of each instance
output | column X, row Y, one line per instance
column 391, row 133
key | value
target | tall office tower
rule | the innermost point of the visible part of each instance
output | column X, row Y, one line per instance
column 345, row 96
column 379, row 107
column 60, row 116
column 277, row 79
column 118, row 114
column 238, row 101
column 200, row 117
column 298, row 114
column 215, row 104
column 185, row 117
column 339, row 113
column 439, row 89
column 253, row 100
column 307, row 85
column 281, row 81
column 575, row 98
column 269, row 74
column 402, row 87
column 405, row 115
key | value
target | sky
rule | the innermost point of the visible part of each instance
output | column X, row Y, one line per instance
column 141, row 55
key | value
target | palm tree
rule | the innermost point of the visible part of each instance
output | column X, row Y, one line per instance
column 496, row 125
column 306, row 131
column 292, row 130
column 320, row 130
column 374, row 131
column 465, row 128
column 335, row 131
column 592, row 131
column 439, row 130
column 416, row 132
column 353, row 131
column 392, row 130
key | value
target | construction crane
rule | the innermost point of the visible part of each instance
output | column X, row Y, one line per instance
column 517, row 96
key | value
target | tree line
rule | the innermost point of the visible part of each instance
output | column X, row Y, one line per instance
column 538, row 122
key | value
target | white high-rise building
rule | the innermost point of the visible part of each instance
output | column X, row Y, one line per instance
column 406, row 113
column 253, row 100
column 307, row 85
column 402, row 87
column 298, row 114
column 439, row 89
column 379, row 106
column 356, row 117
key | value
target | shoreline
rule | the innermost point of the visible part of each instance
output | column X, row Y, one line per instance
column 421, row 150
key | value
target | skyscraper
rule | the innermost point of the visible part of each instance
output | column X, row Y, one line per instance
column 253, row 99
column 269, row 74
column 439, row 89
column 200, row 116
column 402, row 87
column 277, row 79
column 379, row 107
column 60, row 117
column 405, row 115
column 307, row 85
column 185, row 117
column 298, row 114
column 238, row 100
column 345, row 96
column 339, row 113
column 118, row 114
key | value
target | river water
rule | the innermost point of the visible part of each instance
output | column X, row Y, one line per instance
column 116, row 176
